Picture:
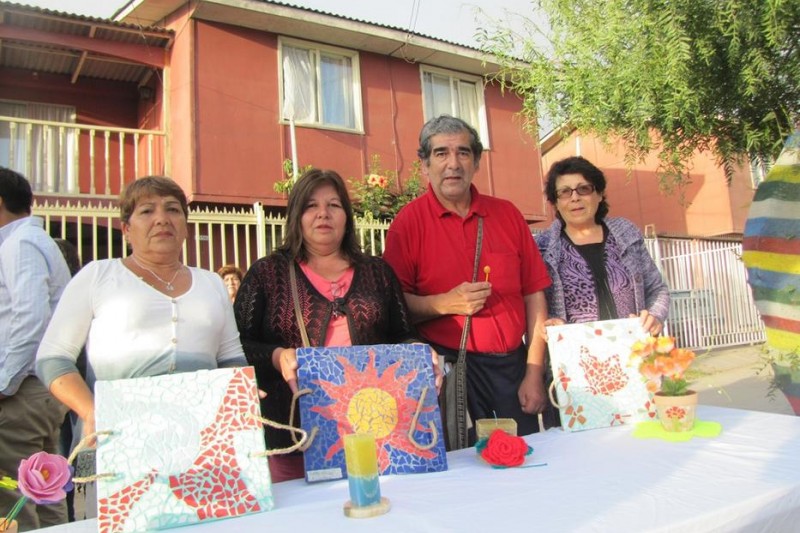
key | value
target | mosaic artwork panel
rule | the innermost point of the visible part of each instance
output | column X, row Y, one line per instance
column 594, row 384
column 182, row 450
column 370, row 389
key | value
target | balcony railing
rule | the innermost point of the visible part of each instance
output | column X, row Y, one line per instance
column 68, row 159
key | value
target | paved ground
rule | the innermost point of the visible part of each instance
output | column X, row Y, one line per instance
column 737, row 378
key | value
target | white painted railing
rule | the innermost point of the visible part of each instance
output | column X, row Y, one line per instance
column 69, row 159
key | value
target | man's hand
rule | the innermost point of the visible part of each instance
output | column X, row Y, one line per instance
column 468, row 298
column 532, row 396
column 438, row 375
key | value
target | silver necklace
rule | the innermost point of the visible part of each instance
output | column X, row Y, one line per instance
column 168, row 284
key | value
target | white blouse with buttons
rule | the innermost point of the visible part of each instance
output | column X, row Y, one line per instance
column 132, row 330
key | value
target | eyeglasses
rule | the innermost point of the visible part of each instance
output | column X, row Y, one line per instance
column 584, row 189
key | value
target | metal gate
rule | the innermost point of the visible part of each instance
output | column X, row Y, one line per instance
column 712, row 305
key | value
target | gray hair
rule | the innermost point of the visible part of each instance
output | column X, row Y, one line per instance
column 447, row 125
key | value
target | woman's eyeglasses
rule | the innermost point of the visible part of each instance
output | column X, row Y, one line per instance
column 584, row 189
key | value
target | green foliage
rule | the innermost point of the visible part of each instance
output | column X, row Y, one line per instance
column 378, row 195
column 285, row 185
column 679, row 75
column 674, row 386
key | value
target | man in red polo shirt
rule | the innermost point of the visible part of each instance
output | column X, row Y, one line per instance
column 431, row 246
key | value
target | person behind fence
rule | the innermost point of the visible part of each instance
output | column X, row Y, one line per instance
column 144, row 315
column 70, row 429
column 343, row 296
column 474, row 280
column 600, row 267
column 232, row 277
column 33, row 275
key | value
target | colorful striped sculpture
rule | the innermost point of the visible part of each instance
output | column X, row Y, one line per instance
column 772, row 255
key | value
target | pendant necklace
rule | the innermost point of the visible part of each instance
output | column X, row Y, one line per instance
column 168, row 284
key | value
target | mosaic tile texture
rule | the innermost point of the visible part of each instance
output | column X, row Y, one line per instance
column 181, row 450
column 370, row 389
column 594, row 384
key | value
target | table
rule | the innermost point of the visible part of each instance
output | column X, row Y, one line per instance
column 747, row 479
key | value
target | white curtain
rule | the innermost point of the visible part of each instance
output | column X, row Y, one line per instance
column 42, row 153
column 299, row 85
column 468, row 102
column 337, row 91
column 438, row 96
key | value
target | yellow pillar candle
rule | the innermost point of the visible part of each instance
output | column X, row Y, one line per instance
column 361, row 458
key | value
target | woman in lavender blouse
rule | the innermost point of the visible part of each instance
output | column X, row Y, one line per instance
column 600, row 267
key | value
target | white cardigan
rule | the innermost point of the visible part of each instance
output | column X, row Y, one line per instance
column 132, row 330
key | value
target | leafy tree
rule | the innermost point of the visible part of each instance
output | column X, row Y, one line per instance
column 680, row 75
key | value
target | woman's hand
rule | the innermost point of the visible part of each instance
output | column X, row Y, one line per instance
column 285, row 360
column 541, row 328
column 649, row 323
column 88, row 429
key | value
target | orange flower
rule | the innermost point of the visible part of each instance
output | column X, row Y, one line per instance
column 376, row 180
column 664, row 344
column 662, row 364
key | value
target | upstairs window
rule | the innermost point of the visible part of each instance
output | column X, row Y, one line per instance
column 320, row 86
column 455, row 94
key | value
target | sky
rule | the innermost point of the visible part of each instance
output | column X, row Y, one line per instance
column 452, row 20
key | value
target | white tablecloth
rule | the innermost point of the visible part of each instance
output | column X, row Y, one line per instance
column 747, row 479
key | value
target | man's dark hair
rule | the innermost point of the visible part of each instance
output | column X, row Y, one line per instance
column 447, row 125
column 15, row 191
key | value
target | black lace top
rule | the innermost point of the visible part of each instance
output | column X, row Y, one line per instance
column 374, row 306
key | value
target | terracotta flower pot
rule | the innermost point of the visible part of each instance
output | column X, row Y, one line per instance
column 8, row 527
column 676, row 413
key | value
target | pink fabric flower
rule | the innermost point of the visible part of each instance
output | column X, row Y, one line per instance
column 44, row 478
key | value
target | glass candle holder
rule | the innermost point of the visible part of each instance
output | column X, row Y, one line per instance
column 361, row 457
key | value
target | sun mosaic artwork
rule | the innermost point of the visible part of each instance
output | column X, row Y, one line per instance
column 386, row 390
column 594, row 384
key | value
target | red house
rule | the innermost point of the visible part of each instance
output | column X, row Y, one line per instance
column 206, row 92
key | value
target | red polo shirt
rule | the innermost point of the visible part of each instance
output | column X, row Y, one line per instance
column 432, row 250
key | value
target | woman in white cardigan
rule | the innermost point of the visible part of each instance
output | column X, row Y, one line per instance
column 144, row 315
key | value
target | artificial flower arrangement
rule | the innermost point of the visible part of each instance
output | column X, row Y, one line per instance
column 662, row 364
column 43, row 477
column 502, row 450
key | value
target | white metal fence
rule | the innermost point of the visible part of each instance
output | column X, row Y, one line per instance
column 712, row 305
column 216, row 236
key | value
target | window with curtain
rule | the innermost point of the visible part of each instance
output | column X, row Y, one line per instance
column 459, row 95
column 320, row 85
column 43, row 153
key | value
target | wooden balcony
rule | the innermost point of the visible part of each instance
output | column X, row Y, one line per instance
column 80, row 160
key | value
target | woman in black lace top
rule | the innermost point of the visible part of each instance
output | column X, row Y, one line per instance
column 346, row 298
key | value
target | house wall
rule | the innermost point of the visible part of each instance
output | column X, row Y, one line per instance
column 707, row 206
column 180, row 100
column 240, row 144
